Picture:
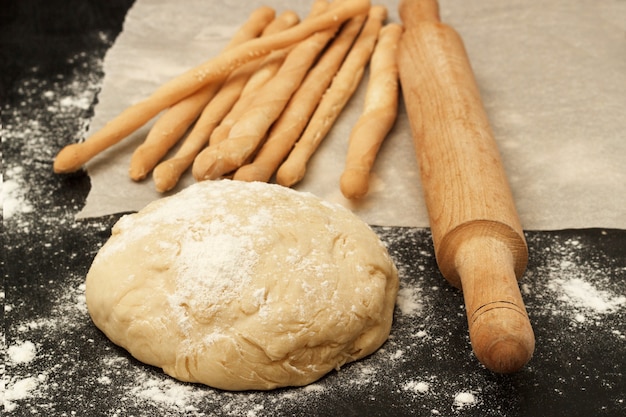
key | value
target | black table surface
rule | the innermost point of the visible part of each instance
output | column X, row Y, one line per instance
column 59, row 364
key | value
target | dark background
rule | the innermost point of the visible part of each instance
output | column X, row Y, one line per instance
column 578, row 368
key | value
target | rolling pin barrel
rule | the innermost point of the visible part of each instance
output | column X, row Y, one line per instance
column 478, row 239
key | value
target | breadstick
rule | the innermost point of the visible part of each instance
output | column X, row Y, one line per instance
column 168, row 172
column 334, row 100
column 287, row 129
column 253, row 26
column 379, row 114
column 260, row 71
column 173, row 124
column 266, row 72
column 269, row 102
column 72, row 157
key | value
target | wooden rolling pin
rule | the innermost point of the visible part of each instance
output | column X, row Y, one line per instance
column 478, row 239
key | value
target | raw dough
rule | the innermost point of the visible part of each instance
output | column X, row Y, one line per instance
column 243, row 286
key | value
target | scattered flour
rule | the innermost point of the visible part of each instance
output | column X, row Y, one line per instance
column 168, row 393
column 581, row 293
column 104, row 380
column 22, row 379
column 420, row 387
column 22, row 353
column 409, row 300
column 577, row 289
column 16, row 390
column 314, row 388
column 464, row 399
column 13, row 196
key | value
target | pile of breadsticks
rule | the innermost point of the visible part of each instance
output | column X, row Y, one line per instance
column 262, row 106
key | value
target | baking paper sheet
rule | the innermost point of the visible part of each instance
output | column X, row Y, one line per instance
column 552, row 77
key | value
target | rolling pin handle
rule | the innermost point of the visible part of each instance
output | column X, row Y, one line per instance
column 500, row 331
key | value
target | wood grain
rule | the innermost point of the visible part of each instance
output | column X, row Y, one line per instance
column 478, row 239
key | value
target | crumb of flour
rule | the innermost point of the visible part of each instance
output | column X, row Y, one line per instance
column 464, row 399
column 409, row 300
column 22, row 353
column 418, row 387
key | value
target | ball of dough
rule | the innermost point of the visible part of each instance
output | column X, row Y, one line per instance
column 242, row 286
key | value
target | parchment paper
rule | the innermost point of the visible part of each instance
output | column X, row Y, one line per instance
column 552, row 77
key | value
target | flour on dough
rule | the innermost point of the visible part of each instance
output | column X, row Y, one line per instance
column 243, row 286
